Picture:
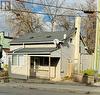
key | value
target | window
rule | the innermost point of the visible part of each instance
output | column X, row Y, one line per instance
column 44, row 61
column 18, row 60
column 14, row 60
column 54, row 61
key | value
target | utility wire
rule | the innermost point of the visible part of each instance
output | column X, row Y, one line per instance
column 74, row 9
column 85, row 11
column 42, row 13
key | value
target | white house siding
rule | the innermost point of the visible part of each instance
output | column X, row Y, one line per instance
column 57, row 53
column 65, row 54
column 14, row 47
column 20, row 71
column 67, row 57
column 58, row 76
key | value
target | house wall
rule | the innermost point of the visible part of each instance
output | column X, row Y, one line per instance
column 15, row 47
column 21, row 72
column 67, row 57
column 65, row 54
column 58, row 76
column 56, row 53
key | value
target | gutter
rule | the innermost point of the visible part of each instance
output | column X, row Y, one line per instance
column 32, row 42
column 25, row 43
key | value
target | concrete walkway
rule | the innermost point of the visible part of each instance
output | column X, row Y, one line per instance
column 71, row 87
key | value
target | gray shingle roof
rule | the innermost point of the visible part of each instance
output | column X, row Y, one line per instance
column 34, row 50
column 42, row 37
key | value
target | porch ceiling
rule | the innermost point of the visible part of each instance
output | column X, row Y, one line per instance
column 35, row 51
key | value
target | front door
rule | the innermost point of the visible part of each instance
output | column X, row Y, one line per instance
column 34, row 66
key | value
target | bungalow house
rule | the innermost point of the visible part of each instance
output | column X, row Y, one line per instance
column 48, row 55
column 42, row 55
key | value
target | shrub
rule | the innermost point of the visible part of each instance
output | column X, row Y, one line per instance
column 5, row 67
column 89, row 72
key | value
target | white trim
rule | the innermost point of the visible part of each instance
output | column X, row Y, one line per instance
column 40, row 55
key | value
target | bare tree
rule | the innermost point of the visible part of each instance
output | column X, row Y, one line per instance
column 89, row 26
column 56, row 14
column 22, row 22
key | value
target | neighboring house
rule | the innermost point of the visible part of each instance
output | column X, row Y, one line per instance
column 4, row 58
column 42, row 54
column 4, row 42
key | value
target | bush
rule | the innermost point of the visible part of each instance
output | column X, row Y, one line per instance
column 89, row 72
column 3, row 73
column 5, row 67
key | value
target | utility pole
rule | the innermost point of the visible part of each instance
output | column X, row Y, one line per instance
column 96, row 65
column 77, row 44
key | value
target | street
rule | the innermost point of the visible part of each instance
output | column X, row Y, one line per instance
column 34, row 91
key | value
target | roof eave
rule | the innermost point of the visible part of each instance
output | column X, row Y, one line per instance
column 42, row 42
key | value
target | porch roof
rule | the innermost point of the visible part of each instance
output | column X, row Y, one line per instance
column 34, row 51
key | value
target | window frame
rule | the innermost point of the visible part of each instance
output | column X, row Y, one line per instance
column 17, row 60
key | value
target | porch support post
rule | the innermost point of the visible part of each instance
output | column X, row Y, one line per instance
column 34, row 65
column 49, row 65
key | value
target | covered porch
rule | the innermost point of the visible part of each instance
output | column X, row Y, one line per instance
column 43, row 66
column 30, row 63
